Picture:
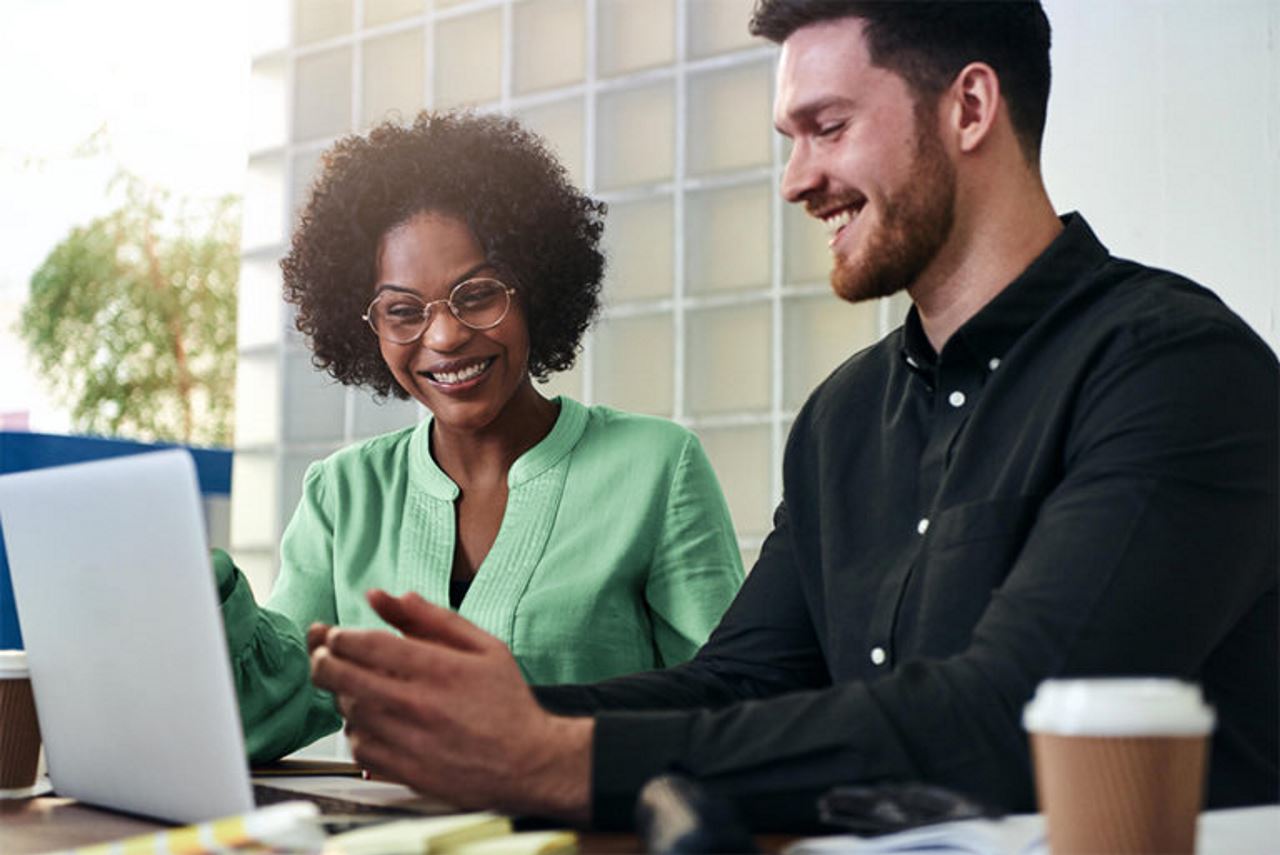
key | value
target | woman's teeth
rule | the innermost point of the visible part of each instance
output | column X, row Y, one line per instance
column 450, row 378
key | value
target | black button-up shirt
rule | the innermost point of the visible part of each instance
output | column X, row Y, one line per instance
column 1083, row 482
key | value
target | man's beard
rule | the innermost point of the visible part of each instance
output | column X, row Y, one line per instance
column 914, row 225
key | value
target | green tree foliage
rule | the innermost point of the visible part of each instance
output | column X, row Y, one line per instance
column 132, row 319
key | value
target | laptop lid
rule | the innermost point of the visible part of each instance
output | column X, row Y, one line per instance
column 124, row 637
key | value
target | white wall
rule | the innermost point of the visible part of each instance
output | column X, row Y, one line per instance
column 1164, row 131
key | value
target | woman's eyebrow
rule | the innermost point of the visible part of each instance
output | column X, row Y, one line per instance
column 471, row 271
column 389, row 286
column 484, row 265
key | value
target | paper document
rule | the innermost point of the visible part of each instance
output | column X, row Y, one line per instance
column 436, row 835
column 523, row 843
column 1013, row 835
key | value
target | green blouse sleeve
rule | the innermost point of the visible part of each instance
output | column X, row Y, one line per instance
column 280, row 709
column 697, row 568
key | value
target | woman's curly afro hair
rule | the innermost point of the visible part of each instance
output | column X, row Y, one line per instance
column 487, row 171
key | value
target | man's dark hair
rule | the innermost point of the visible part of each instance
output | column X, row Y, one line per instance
column 490, row 173
column 927, row 43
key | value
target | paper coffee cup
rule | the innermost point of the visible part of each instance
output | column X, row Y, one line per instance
column 1119, row 763
column 19, row 730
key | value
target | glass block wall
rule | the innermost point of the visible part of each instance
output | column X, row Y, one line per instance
column 718, row 313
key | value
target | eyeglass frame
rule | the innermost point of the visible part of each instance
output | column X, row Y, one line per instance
column 427, row 306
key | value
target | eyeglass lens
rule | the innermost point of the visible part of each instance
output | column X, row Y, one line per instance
column 477, row 303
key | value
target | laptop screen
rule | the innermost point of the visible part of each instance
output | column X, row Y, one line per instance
column 124, row 637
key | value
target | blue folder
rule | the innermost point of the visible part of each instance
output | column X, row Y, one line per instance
column 22, row 451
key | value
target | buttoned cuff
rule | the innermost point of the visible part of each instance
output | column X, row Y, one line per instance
column 628, row 750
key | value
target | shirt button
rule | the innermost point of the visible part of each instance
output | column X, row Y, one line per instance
column 994, row 363
column 923, row 525
column 878, row 656
column 956, row 399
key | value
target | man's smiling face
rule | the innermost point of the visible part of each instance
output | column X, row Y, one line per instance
column 864, row 160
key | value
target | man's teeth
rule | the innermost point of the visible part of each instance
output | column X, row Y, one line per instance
column 835, row 222
column 463, row 375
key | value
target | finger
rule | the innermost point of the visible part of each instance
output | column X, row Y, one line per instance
column 371, row 759
column 353, row 708
column 353, row 683
column 315, row 635
column 385, row 755
column 382, row 651
column 392, row 746
column 365, row 723
column 417, row 618
column 391, row 727
column 387, row 759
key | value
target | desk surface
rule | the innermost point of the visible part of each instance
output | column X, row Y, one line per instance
column 49, row 823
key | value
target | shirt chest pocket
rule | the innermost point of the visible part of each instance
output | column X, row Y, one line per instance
column 968, row 552
column 990, row 520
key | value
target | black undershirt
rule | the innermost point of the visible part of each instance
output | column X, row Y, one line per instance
column 458, row 591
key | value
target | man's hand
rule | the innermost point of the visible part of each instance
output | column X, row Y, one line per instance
column 446, row 711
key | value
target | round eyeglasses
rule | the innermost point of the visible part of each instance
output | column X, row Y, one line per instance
column 401, row 318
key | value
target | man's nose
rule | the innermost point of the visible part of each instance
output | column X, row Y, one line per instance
column 801, row 175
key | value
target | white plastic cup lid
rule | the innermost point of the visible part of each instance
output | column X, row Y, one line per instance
column 1141, row 706
column 13, row 664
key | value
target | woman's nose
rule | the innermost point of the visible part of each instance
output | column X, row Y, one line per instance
column 444, row 331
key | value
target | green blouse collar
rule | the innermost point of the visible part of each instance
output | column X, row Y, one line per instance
column 564, row 435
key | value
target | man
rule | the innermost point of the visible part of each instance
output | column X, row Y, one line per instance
column 1063, row 464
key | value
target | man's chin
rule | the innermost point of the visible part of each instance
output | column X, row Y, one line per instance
column 856, row 284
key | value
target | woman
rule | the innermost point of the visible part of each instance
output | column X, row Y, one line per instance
column 452, row 262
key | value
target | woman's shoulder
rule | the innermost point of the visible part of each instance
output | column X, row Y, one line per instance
column 385, row 453
column 617, row 428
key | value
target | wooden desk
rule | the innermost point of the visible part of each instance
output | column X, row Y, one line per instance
column 48, row 823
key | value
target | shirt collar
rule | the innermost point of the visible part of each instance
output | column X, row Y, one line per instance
column 991, row 332
column 564, row 435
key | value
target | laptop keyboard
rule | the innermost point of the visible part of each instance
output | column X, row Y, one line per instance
column 266, row 794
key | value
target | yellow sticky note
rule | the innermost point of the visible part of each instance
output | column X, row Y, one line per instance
column 435, row 835
column 523, row 843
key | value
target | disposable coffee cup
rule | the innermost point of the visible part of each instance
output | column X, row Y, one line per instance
column 1119, row 763
column 19, row 730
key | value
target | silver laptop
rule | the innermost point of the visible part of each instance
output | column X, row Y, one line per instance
column 127, row 652
column 124, row 637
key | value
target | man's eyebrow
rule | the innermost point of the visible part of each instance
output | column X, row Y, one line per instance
column 470, row 272
column 805, row 112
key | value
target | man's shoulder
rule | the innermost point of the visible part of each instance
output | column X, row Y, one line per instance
column 861, row 378
column 1148, row 305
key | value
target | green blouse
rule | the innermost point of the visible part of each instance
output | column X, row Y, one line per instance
column 616, row 554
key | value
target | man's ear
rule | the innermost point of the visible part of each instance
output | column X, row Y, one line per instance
column 973, row 105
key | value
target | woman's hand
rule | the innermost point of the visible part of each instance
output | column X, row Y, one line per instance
column 446, row 711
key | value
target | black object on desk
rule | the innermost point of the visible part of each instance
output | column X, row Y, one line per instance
column 676, row 815
column 886, row 808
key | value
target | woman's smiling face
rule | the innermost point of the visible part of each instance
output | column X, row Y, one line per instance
column 465, row 377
